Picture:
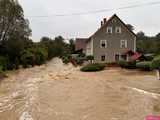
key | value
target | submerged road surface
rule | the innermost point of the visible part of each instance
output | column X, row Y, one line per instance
column 61, row 92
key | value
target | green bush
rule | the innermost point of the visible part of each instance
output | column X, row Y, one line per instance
column 1, row 69
column 41, row 56
column 146, row 66
column 34, row 56
column 122, row 63
column 2, row 73
column 65, row 59
column 131, row 65
column 3, row 63
column 156, row 62
column 128, row 65
column 149, row 58
column 90, row 58
column 93, row 67
column 27, row 58
column 80, row 60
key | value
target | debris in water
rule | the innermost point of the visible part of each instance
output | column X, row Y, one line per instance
column 26, row 116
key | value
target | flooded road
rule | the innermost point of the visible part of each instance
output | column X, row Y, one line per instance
column 61, row 92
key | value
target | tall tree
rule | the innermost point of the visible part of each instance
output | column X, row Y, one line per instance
column 141, row 35
column 130, row 27
column 14, row 30
column 12, row 20
column 72, row 45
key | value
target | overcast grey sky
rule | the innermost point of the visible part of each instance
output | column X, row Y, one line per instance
column 144, row 18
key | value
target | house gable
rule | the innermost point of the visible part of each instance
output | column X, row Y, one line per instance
column 110, row 22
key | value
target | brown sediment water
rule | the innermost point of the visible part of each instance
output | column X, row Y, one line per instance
column 61, row 92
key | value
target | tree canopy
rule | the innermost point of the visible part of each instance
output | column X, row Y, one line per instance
column 148, row 44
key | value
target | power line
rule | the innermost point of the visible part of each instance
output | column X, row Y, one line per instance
column 99, row 11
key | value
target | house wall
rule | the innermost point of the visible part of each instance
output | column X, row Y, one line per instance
column 113, row 41
column 89, row 48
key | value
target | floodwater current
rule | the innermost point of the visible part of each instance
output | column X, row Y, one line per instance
column 61, row 92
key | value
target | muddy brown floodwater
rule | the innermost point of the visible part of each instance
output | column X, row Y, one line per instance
column 61, row 92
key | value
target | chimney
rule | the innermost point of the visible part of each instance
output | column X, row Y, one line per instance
column 101, row 23
column 104, row 20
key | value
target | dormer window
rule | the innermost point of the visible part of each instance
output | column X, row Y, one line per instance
column 109, row 30
column 103, row 44
column 118, row 30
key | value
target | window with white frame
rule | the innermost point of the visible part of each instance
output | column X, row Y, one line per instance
column 118, row 30
column 109, row 30
column 103, row 57
column 124, row 57
column 103, row 44
column 123, row 44
column 117, row 57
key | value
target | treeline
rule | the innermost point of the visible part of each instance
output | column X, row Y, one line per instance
column 16, row 47
column 148, row 44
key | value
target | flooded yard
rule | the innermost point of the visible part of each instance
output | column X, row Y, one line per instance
column 61, row 92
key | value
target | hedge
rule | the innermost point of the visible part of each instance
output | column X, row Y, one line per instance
column 3, row 63
column 156, row 62
column 41, row 56
column 146, row 66
column 128, row 65
column 93, row 67
column 27, row 58
column 65, row 59
column 122, row 63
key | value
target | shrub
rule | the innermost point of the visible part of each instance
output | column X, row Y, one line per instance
column 149, row 58
column 27, row 58
column 93, row 67
column 17, row 63
column 146, row 66
column 41, row 56
column 122, row 63
column 128, row 65
column 3, row 63
column 65, row 59
column 1, row 69
column 156, row 62
column 131, row 65
column 2, row 73
column 80, row 60
column 90, row 58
